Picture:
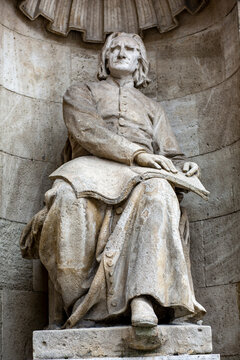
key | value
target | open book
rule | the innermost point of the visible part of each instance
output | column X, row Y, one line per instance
column 180, row 179
column 111, row 182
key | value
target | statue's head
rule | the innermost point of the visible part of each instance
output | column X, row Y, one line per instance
column 124, row 54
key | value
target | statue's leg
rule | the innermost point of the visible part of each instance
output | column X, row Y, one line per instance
column 69, row 240
column 56, row 313
column 147, row 252
column 159, row 215
column 142, row 312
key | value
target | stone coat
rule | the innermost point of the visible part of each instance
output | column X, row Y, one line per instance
column 100, row 255
column 116, row 122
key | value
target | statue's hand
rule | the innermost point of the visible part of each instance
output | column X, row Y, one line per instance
column 191, row 168
column 155, row 161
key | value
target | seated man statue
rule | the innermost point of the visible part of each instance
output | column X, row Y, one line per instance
column 110, row 234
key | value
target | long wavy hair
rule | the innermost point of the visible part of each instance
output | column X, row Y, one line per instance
column 140, row 76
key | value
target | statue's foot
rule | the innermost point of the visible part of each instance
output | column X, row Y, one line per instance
column 53, row 326
column 143, row 314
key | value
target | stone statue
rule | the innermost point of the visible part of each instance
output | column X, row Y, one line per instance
column 112, row 235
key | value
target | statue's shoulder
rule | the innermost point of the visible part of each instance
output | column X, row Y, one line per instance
column 151, row 103
column 77, row 86
column 83, row 87
column 79, row 90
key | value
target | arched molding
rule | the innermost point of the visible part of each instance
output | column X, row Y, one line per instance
column 97, row 18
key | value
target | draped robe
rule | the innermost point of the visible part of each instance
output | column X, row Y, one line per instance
column 101, row 254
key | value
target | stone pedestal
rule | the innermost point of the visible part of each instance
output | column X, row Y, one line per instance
column 167, row 357
column 111, row 342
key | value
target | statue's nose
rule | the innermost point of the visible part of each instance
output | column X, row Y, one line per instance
column 122, row 53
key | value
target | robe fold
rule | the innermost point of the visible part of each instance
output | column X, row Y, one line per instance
column 107, row 239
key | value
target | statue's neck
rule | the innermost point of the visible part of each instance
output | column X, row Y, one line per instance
column 121, row 81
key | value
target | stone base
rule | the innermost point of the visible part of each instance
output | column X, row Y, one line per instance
column 167, row 357
column 124, row 341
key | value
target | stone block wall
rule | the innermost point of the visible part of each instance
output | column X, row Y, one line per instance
column 198, row 85
column 195, row 75
column 36, row 69
column 197, row 82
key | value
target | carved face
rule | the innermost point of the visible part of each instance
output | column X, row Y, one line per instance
column 123, row 56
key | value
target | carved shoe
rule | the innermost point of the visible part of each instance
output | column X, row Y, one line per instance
column 142, row 313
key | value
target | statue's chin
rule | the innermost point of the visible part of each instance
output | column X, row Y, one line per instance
column 120, row 69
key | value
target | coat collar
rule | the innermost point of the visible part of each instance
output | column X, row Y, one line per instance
column 115, row 82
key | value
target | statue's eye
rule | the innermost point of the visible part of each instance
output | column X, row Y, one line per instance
column 113, row 48
column 129, row 48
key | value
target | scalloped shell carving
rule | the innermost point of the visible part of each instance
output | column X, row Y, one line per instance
column 96, row 18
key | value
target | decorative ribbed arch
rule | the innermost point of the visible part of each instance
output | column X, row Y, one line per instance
column 96, row 18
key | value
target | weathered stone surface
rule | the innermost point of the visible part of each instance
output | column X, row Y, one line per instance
column 197, row 254
column 84, row 64
column 16, row 273
column 125, row 112
column 199, row 61
column 40, row 276
column 101, row 18
column 32, row 67
column 215, row 250
column 208, row 120
column 85, row 61
column 230, row 357
column 1, row 324
column 24, row 183
column 170, row 357
column 30, row 29
column 16, row 21
column 23, row 312
column 223, row 316
column 31, row 128
column 220, row 174
column 238, row 5
column 215, row 11
column 222, row 249
column 152, row 88
column 183, row 114
column 113, row 342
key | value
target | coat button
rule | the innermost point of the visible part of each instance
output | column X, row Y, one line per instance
column 109, row 254
column 119, row 210
column 121, row 122
column 110, row 263
column 114, row 303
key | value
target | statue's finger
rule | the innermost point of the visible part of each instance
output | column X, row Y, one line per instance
column 172, row 167
column 192, row 171
column 163, row 164
column 186, row 166
column 156, row 165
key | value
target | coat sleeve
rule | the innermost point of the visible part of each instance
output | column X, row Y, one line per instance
column 87, row 127
column 165, row 142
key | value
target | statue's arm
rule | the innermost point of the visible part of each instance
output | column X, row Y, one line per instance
column 167, row 145
column 167, row 153
column 165, row 141
column 87, row 127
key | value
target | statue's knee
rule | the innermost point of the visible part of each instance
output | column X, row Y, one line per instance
column 159, row 189
column 158, row 184
column 165, row 185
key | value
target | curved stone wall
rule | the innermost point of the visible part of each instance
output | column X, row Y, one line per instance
column 36, row 69
column 195, row 76
column 197, row 81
